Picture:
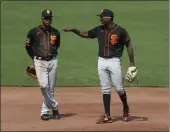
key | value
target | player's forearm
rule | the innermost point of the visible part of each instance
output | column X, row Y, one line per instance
column 80, row 33
column 131, row 54
column 29, row 51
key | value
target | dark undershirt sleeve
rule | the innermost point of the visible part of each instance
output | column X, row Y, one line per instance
column 29, row 44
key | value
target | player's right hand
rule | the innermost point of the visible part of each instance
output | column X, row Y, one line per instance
column 131, row 74
column 67, row 29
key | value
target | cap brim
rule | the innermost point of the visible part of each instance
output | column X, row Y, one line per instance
column 103, row 16
column 47, row 16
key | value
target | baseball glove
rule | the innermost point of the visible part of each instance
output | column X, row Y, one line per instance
column 131, row 74
column 31, row 71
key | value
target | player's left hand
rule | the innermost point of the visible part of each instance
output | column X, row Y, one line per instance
column 31, row 71
column 131, row 74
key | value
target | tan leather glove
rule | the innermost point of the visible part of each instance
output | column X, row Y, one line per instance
column 31, row 71
column 131, row 74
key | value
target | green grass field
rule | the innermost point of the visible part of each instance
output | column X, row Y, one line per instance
column 146, row 22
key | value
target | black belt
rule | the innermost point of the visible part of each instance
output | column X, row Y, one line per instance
column 108, row 57
column 44, row 58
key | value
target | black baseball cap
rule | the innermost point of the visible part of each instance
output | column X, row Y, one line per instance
column 47, row 13
column 106, row 13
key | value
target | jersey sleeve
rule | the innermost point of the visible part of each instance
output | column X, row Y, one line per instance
column 29, row 38
column 93, row 33
column 29, row 44
column 58, row 40
column 125, row 36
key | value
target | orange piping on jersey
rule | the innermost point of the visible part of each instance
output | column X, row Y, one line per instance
column 105, row 44
column 109, row 37
column 45, row 52
column 48, row 43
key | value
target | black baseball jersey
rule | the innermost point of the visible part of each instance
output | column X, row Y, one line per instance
column 111, row 42
column 42, row 43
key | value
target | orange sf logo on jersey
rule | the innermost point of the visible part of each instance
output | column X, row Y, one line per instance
column 53, row 39
column 114, row 39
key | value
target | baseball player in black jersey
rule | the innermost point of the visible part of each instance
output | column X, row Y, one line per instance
column 111, row 40
column 42, row 44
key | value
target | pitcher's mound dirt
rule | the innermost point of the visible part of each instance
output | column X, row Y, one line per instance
column 80, row 107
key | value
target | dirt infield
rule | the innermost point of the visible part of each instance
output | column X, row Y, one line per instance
column 80, row 107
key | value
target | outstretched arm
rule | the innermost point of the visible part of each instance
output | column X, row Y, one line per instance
column 83, row 34
column 130, row 53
